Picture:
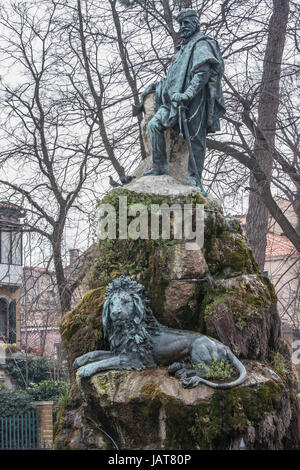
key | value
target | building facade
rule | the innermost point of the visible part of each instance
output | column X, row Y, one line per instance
column 39, row 313
column 11, row 272
column 40, row 307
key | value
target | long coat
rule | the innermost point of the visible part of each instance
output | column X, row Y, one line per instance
column 200, row 50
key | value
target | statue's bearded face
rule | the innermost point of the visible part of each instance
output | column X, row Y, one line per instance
column 121, row 306
column 187, row 28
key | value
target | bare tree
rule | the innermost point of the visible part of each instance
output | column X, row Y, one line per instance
column 66, row 117
column 52, row 153
column 268, row 104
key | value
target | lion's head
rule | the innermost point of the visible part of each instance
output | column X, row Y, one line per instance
column 128, row 321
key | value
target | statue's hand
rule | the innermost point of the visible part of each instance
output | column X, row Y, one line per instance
column 150, row 89
column 179, row 97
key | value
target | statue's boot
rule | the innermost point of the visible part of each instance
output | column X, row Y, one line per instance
column 192, row 181
column 156, row 171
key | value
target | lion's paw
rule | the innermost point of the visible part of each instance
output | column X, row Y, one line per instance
column 84, row 371
column 191, row 382
column 76, row 364
column 175, row 367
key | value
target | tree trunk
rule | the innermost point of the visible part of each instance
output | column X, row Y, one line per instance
column 258, row 215
column 65, row 295
column 296, row 207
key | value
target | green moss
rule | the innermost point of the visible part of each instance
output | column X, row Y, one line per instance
column 81, row 328
column 136, row 258
column 151, row 391
column 66, row 402
column 244, row 302
column 282, row 366
column 226, row 251
column 133, row 257
column 158, row 295
column 90, row 305
column 220, row 370
column 64, row 445
column 215, row 424
column 102, row 383
column 237, row 226
column 238, row 259
column 270, row 287
column 253, row 261
column 102, row 386
column 116, row 257
column 147, row 199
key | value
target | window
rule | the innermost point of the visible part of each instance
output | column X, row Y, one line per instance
column 11, row 247
column 8, row 320
column 5, row 247
column 3, row 319
column 16, row 251
column 30, row 288
column 12, row 315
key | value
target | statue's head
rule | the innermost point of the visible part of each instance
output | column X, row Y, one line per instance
column 121, row 306
column 188, row 22
column 125, row 301
column 128, row 321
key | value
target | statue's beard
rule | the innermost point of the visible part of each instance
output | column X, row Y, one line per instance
column 126, row 337
column 187, row 33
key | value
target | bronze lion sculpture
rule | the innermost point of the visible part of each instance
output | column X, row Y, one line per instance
column 138, row 341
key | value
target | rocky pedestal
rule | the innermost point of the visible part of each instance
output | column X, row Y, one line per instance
column 150, row 410
column 217, row 290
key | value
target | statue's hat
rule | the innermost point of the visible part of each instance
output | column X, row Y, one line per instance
column 186, row 13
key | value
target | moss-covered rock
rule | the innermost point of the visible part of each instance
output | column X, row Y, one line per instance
column 242, row 314
column 150, row 410
column 159, row 264
column 81, row 328
column 226, row 250
column 218, row 291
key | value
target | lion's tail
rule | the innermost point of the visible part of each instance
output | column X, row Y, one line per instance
column 238, row 365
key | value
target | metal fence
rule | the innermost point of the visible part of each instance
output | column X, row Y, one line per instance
column 20, row 432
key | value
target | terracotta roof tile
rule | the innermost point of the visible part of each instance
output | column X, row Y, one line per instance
column 278, row 246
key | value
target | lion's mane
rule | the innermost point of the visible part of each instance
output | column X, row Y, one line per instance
column 131, row 337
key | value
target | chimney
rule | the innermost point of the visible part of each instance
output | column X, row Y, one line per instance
column 73, row 255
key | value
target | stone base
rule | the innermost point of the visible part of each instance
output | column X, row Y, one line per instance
column 167, row 185
column 150, row 410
